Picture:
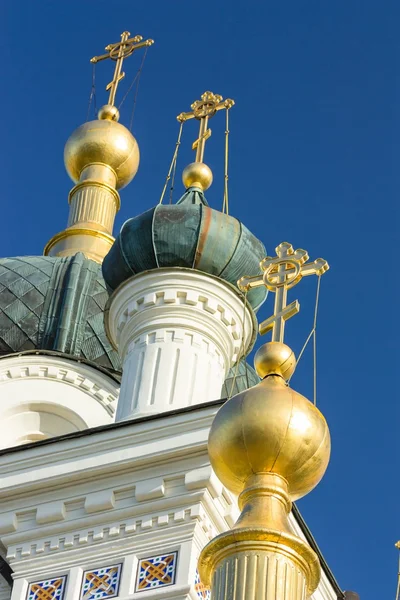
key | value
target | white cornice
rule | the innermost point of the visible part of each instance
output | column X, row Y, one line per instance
column 75, row 374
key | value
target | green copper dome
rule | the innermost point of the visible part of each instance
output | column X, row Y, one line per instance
column 187, row 234
column 55, row 304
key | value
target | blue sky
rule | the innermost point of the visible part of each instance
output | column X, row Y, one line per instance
column 313, row 161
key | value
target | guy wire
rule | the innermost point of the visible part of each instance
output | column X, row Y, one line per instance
column 173, row 161
column 241, row 351
column 129, row 89
column 312, row 334
column 225, row 205
column 171, row 189
column 92, row 95
column 315, row 339
column 139, row 73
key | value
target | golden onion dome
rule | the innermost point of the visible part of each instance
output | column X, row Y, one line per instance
column 106, row 142
column 270, row 428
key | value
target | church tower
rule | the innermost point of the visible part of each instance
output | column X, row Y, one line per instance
column 142, row 457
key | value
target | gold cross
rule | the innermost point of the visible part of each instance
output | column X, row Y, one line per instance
column 281, row 273
column 203, row 110
column 118, row 52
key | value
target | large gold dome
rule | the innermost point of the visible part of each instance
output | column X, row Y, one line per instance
column 270, row 428
column 106, row 142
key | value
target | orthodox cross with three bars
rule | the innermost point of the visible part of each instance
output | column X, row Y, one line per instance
column 281, row 273
column 203, row 110
column 118, row 52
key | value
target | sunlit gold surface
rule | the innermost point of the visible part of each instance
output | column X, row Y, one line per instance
column 108, row 112
column 104, row 142
column 197, row 174
column 275, row 358
column 93, row 244
column 280, row 273
column 286, row 568
column 118, row 52
column 269, row 445
column 270, row 428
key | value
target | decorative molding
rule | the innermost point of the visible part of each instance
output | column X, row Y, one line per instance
column 149, row 489
column 99, row 501
column 8, row 523
column 44, row 396
column 181, row 297
column 50, row 512
column 70, row 376
column 204, row 478
column 112, row 531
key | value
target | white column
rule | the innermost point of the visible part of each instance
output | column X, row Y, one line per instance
column 178, row 332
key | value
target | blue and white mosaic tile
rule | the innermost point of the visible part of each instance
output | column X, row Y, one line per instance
column 156, row 571
column 47, row 589
column 201, row 591
column 101, row 583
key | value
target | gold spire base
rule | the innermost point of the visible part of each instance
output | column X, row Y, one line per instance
column 94, row 202
column 260, row 557
column 93, row 244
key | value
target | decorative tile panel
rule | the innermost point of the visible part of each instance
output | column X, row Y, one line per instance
column 156, row 571
column 101, row 583
column 48, row 589
column 201, row 591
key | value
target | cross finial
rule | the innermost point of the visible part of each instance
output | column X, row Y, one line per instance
column 281, row 273
column 203, row 110
column 118, row 52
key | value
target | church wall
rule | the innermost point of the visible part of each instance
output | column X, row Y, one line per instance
column 131, row 506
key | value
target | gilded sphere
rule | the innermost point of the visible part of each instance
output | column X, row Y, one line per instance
column 275, row 358
column 106, row 142
column 108, row 111
column 270, row 428
column 197, row 174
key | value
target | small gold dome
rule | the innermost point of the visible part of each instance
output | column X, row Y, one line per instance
column 197, row 174
column 108, row 111
column 270, row 428
column 275, row 358
column 105, row 142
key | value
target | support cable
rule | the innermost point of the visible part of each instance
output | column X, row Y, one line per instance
column 171, row 189
column 92, row 96
column 225, row 205
column 139, row 73
column 173, row 163
column 313, row 334
column 128, row 90
column 241, row 350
